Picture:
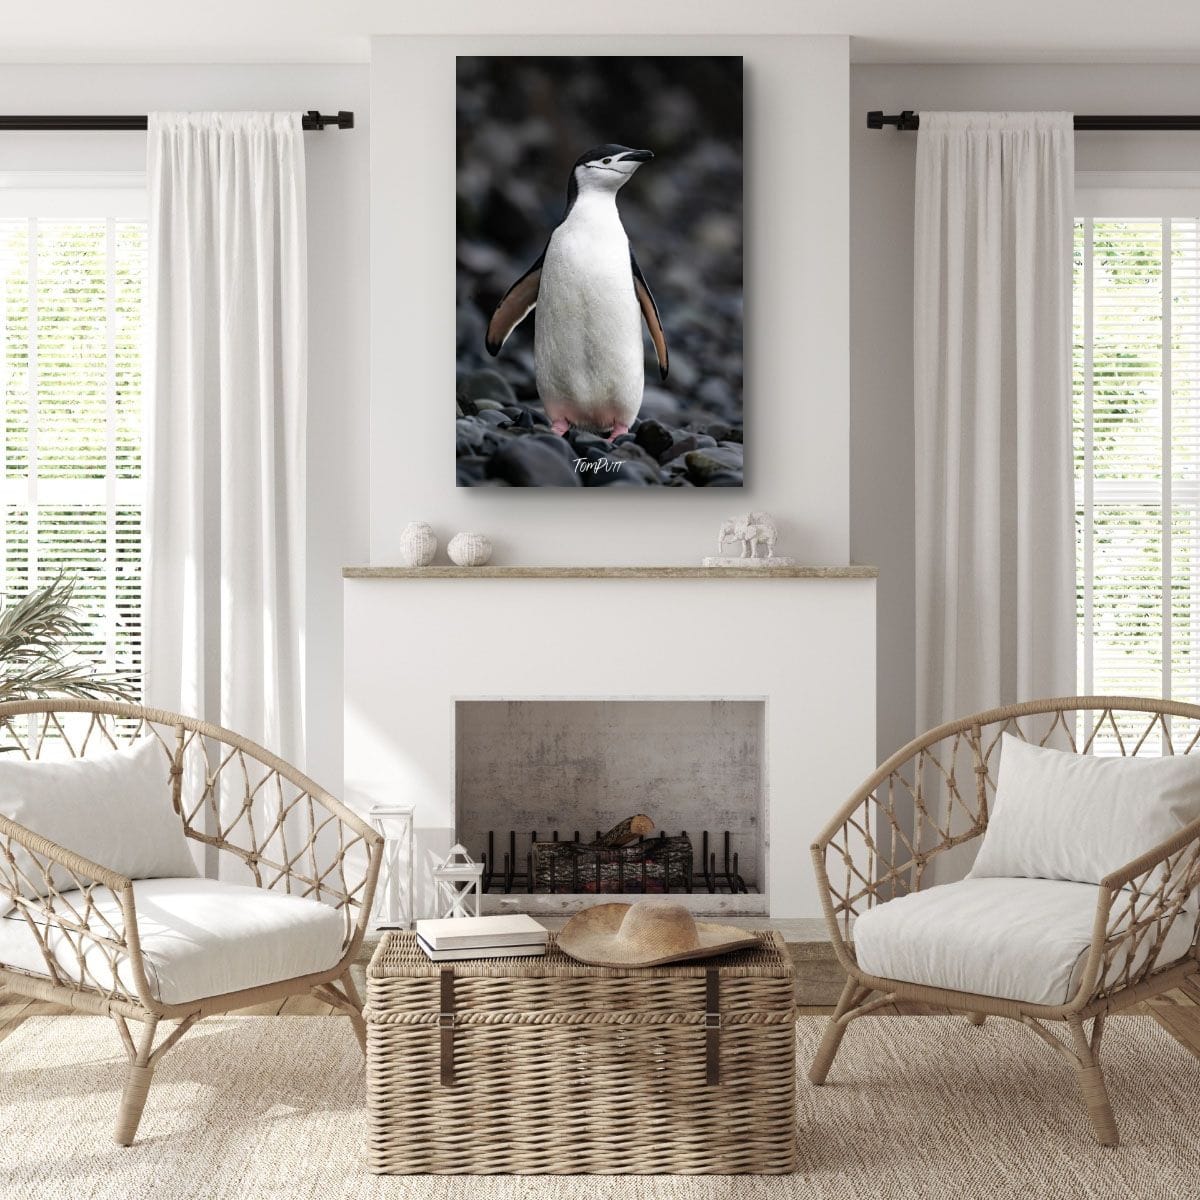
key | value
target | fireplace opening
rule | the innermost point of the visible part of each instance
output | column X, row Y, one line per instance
column 645, row 866
column 580, row 801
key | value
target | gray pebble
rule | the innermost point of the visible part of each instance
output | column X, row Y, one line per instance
column 655, row 438
column 659, row 405
column 470, row 471
column 704, row 465
column 495, row 418
column 694, row 441
column 584, row 441
column 471, row 436
column 716, row 393
column 488, row 385
column 529, row 462
column 632, row 452
column 552, row 441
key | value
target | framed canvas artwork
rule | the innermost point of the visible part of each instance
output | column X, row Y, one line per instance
column 599, row 286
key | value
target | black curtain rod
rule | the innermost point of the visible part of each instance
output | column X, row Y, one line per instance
column 908, row 120
column 311, row 120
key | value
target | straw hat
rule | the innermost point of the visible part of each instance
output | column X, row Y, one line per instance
column 646, row 934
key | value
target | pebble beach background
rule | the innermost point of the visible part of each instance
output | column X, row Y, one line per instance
column 522, row 122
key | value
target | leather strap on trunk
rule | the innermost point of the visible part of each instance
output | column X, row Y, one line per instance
column 712, row 1027
column 446, row 1025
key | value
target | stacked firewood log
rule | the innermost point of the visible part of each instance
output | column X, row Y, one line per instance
column 623, row 860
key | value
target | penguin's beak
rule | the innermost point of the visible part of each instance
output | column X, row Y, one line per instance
column 640, row 156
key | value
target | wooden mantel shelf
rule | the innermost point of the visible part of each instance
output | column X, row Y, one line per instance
column 848, row 572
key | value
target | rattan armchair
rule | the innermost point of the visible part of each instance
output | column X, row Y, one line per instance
column 263, row 824
column 933, row 796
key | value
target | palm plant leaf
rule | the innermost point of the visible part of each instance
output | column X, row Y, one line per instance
column 37, row 632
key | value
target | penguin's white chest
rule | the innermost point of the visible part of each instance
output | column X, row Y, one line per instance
column 588, row 335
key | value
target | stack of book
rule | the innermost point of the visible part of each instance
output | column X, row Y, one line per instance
column 453, row 938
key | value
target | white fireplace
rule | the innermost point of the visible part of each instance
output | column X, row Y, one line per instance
column 527, row 701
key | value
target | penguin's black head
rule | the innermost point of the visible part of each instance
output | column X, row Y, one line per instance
column 604, row 168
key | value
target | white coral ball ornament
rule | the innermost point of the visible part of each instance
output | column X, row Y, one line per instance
column 418, row 544
column 469, row 549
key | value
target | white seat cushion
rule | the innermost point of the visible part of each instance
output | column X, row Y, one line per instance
column 1014, row 939
column 199, row 937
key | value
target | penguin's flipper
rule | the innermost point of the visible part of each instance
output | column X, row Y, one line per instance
column 650, row 313
column 515, row 305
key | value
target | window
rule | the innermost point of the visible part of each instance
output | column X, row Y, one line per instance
column 72, row 299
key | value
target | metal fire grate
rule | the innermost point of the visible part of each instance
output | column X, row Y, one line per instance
column 650, row 865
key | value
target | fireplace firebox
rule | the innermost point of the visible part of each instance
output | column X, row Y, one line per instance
column 533, row 778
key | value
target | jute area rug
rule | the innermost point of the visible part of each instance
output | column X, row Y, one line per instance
column 259, row 1108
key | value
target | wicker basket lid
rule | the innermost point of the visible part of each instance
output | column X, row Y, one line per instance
column 399, row 956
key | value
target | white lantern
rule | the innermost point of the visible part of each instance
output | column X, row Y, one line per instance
column 394, row 895
column 459, row 881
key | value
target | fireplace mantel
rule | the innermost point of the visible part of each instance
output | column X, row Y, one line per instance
column 803, row 647
column 796, row 572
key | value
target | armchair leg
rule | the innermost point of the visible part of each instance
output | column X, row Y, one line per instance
column 976, row 1018
column 834, row 1032
column 133, row 1101
column 1091, row 1081
column 143, row 1058
column 347, row 999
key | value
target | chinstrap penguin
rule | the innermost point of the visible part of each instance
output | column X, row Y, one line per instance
column 591, row 297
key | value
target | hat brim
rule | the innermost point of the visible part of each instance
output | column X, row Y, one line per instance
column 591, row 937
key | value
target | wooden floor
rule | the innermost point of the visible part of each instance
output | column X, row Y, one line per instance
column 1178, row 1012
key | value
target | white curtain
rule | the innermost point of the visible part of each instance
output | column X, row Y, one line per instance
column 226, row 453
column 995, row 543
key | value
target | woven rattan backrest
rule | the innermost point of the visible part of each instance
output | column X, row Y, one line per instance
column 917, row 816
column 260, row 817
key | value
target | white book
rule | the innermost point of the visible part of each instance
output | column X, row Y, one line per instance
column 531, row 950
column 472, row 933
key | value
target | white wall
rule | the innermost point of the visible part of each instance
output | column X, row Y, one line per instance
column 881, row 196
column 796, row 387
column 338, row 262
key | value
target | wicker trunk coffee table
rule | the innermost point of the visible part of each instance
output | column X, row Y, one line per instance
column 548, row 1066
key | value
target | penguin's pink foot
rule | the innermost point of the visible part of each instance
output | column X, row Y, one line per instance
column 617, row 430
column 561, row 426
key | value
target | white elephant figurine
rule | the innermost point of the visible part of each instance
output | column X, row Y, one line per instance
column 753, row 530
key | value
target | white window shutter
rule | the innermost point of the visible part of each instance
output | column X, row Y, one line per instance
column 72, row 291
column 1137, row 441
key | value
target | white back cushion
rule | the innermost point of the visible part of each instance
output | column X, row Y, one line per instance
column 114, row 809
column 1059, row 815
